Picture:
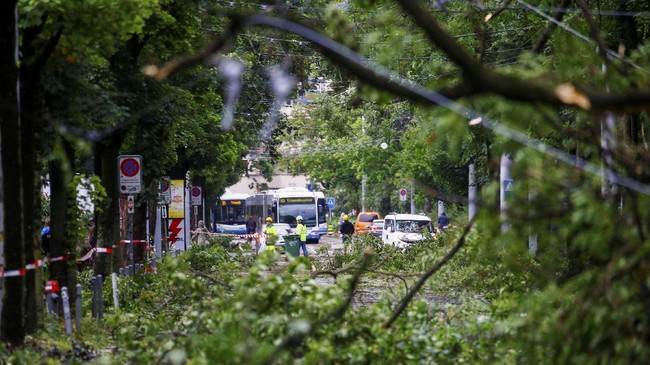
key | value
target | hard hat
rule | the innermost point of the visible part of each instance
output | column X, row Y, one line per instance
column 299, row 218
column 345, row 217
column 269, row 219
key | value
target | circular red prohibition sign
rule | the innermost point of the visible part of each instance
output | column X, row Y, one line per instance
column 164, row 186
column 129, row 167
column 196, row 192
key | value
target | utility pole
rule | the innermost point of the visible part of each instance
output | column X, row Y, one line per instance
column 363, row 192
column 365, row 176
column 472, row 192
column 505, row 186
column 412, row 195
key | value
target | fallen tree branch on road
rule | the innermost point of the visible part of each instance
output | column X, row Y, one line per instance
column 212, row 279
column 296, row 339
column 409, row 296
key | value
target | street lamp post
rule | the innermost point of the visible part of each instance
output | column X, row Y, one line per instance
column 384, row 146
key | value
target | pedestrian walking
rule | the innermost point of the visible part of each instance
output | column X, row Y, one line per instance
column 301, row 229
column 201, row 234
column 89, row 242
column 251, row 229
column 443, row 220
column 91, row 235
column 347, row 229
column 46, row 237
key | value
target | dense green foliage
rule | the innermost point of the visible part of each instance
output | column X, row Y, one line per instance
column 218, row 305
column 581, row 298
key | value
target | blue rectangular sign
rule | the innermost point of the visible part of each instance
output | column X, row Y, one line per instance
column 331, row 203
column 507, row 186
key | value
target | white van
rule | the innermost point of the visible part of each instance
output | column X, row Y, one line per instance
column 401, row 230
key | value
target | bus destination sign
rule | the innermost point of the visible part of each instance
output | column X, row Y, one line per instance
column 296, row 200
column 232, row 202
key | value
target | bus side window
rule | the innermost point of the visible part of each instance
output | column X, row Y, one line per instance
column 274, row 209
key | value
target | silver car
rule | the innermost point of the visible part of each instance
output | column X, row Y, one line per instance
column 283, row 229
column 377, row 226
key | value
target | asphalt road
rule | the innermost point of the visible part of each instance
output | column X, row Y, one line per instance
column 332, row 242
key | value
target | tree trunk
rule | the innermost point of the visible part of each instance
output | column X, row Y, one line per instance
column 209, row 203
column 61, row 242
column 108, row 229
column 31, row 217
column 13, row 329
column 139, row 229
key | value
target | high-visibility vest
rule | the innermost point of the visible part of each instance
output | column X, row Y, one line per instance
column 273, row 237
column 301, row 229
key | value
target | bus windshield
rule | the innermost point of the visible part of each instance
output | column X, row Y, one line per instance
column 289, row 212
column 231, row 212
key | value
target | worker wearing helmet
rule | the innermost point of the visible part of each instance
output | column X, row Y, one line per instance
column 271, row 234
column 301, row 229
column 347, row 229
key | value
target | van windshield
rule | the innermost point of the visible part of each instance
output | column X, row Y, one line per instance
column 366, row 218
column 414, row 226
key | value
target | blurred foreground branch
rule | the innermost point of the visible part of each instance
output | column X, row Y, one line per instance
column 409, row 296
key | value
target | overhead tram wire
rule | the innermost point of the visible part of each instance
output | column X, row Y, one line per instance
column 307, row 42
column 599, row 12
column 438, row 99
column 566, row 27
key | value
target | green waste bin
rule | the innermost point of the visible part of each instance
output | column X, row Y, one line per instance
column 292, row 244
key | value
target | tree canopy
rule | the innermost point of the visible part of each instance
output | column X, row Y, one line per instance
column 561, row 87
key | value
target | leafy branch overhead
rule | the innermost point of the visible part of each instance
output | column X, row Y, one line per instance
column 476, row 79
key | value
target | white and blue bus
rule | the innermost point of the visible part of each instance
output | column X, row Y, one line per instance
column 230, row 213
column 285, row 204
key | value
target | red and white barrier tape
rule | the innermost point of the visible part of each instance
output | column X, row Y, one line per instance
column 32, row 266
column 255, row 235
column 122, row 242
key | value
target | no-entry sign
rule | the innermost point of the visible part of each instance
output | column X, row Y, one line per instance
column 196, row 195
column 130, row 173
column 402, row 194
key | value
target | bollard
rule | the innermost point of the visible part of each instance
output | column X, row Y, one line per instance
column 49, row 303
column 78, row 308
column 66, row 310
column 116, row 302
column 52, row 296
column 100, row 297
column 121, row 271
column 93, row 296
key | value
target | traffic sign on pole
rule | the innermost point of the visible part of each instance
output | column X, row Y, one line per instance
column 331, row 203
column 508, row 186
column 165, row 190
column 130, row 173
column 196, row 195
column 130, row 204
column 402, row 194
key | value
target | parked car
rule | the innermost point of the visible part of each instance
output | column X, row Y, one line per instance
column 402, row 230
column 283, row 229
column 377, row 227
column 364, row 221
